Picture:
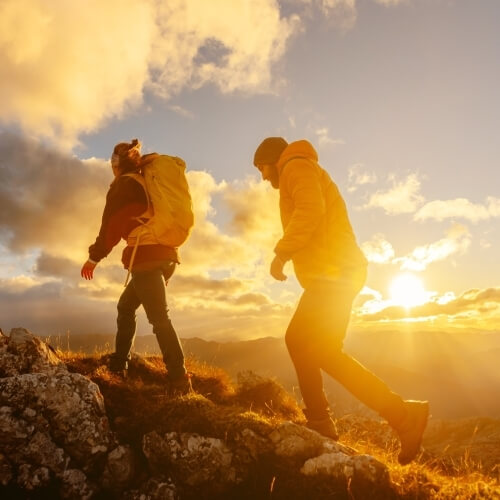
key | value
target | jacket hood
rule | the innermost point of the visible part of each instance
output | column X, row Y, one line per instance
column 300, row 149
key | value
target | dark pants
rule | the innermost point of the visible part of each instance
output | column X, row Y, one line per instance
column 148, row 288
column 314, row 339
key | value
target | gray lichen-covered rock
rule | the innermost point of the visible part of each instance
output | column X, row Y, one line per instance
column 75, row 485
column 22, row 352
column 298, row 443
column 357, row 468
column 66, row 406
column 30, row 477
column 194, row 460
column 155, row 488
column 54, row 426
column 120, row 468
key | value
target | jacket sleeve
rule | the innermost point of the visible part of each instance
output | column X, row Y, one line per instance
column 300, row 179
column 125, row 199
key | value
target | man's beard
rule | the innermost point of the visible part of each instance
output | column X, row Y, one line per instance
column 274, row 178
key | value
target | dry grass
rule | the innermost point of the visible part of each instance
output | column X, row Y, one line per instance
column 220, row 408
column 427, row 477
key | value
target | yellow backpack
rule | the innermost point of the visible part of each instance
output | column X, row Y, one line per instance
column 169, row 217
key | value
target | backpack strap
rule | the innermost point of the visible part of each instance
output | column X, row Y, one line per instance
column 140, row 179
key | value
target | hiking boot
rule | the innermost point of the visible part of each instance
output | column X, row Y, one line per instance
column 180, row 386
column 118, row 367
column 325, row 426
column 119, row 373
column 411, row 430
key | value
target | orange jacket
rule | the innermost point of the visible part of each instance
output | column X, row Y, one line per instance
column 317, row 234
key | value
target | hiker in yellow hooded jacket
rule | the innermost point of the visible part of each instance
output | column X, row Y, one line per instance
column 319, row 240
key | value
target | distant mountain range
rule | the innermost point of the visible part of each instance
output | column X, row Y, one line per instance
column 458, row 373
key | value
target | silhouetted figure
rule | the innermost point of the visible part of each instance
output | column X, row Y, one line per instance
column 151, row 266
column 331, row 268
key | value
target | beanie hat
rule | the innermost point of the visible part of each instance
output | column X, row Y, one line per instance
column 269, row 151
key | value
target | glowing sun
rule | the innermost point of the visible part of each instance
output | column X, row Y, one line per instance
column 407, row 290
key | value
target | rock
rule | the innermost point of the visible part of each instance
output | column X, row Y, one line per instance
column 296, row 442
column 360, row 469
column 75, row 485
column 54, row 427
column 30, row 478
column 66, row 406
column 250, row 446
column 22, row 352
column 194, row 460
column 5, row 471
column 120, row 468
column 156, row 488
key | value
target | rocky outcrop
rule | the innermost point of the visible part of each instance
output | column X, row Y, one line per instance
column 56, row 438
column 54, row 425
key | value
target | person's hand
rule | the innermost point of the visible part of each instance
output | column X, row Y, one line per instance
column 87, row 271
column 277, row 269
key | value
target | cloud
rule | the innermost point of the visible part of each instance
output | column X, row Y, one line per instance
column 51, row 209
column 378, row 250
column 49, row 199
column 459, row 208
column 473, row 304
column 390, row 3
column 254, row 209
column 457, row 240
column 359, row 177
column 324, row 139
column 343, row 12
column 231, row 44
column 403, row 197
column 69, row 67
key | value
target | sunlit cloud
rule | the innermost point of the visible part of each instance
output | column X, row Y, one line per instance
column 69, row 67
column 358, row 176
column 459, row 208
column 482, row 306
column 458, row 240
column 378, row 249
column 403, row 197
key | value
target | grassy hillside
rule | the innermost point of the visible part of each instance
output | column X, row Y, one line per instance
column 459, row 376
column 139, row 404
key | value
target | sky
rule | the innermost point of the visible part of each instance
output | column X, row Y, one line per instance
column 399, row 97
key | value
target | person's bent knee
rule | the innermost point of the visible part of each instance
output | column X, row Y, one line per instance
column 295, row 341
column 124, row 311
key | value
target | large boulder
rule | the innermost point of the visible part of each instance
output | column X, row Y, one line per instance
column 54, row 425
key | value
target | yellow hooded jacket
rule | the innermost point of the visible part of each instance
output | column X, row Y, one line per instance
column 317, row 234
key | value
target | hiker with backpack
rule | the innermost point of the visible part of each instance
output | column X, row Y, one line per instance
column 331, row 268
column 148, row 204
